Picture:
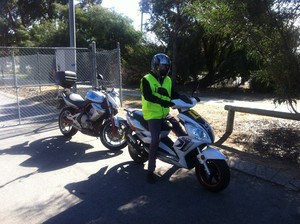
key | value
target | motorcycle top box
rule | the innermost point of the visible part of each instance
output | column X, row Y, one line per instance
column 65, row 79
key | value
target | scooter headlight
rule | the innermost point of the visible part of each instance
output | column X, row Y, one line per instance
column 198, row 133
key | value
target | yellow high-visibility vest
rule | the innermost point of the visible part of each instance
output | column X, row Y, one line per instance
column 154, row 110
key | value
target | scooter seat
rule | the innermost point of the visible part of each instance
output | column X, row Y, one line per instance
column 138, row 115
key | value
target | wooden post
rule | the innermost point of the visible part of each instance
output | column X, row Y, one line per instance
column 230, row 120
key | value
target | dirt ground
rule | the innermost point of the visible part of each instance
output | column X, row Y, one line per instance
column 264, row 140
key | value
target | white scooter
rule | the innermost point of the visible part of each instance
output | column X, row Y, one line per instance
column 189, row 151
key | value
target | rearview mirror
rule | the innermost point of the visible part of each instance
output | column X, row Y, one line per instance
column 99, row 76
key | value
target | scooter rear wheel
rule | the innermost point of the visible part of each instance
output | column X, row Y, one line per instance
column 139, row 159
column 219, row 176
column 136, row 150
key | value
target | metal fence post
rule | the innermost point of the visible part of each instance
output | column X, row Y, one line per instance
column 94, row 65
column 74, row 88
column 38, row 72
column 16, row 84
column 119, row 71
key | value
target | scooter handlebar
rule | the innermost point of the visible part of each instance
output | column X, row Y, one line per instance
column 197, row 98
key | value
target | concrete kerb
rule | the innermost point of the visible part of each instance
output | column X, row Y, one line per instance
column 276, row 176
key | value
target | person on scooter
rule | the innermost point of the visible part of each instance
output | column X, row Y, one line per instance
column 157, row 92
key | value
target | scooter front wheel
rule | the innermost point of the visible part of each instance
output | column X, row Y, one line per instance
column 219, row 176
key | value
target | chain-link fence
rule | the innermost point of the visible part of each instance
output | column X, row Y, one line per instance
column 27, row 85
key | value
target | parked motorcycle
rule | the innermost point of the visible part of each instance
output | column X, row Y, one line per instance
column 95, row 115
column 191, row 151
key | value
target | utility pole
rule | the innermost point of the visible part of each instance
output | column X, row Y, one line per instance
column 144, row 6
column 72, row 31
column 142, row 20
column 72, row 24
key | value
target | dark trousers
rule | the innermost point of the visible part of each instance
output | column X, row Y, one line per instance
column 154, row 126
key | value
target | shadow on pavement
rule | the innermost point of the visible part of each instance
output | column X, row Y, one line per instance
column 121, row 195
column 28, row 129
column 55, row 152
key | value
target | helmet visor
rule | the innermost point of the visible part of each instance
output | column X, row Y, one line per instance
column 163, row 70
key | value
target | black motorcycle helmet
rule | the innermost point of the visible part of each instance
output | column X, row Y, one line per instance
column 160, row 65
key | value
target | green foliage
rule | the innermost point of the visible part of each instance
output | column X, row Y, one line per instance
column 169, row 22
column 210, row 40
column 195, row 50
column 18, row 17
column 138, row 62
column 109, row 28
column 265, row 29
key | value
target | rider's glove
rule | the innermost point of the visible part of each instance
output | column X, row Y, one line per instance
column 165, row 103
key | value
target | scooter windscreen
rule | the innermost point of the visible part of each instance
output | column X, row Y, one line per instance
column 186, row 103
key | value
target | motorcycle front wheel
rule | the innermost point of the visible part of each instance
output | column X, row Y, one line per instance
column 114, row 139
column 64, row 124
column 219, row 176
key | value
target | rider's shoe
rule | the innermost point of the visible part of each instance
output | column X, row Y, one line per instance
column 151, row 177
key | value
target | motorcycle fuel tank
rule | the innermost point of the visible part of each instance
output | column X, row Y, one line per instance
column 95, row 96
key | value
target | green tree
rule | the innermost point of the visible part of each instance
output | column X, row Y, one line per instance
column 195, row 52
column 266, row 30
column 168, row 21
column 106, row 28
column 16, row 18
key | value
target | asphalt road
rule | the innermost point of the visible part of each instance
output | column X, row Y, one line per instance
column 46, row 178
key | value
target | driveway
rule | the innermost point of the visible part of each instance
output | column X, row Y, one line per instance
column 46, row 178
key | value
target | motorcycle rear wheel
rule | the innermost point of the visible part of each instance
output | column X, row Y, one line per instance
column 114, row 141
column 66, row 127
column 219, row 176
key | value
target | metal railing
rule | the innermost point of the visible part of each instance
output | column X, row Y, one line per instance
column 232, row 109
column 27, row 86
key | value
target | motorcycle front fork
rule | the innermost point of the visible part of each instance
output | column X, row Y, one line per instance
column 115, row 125
column 201, row 158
